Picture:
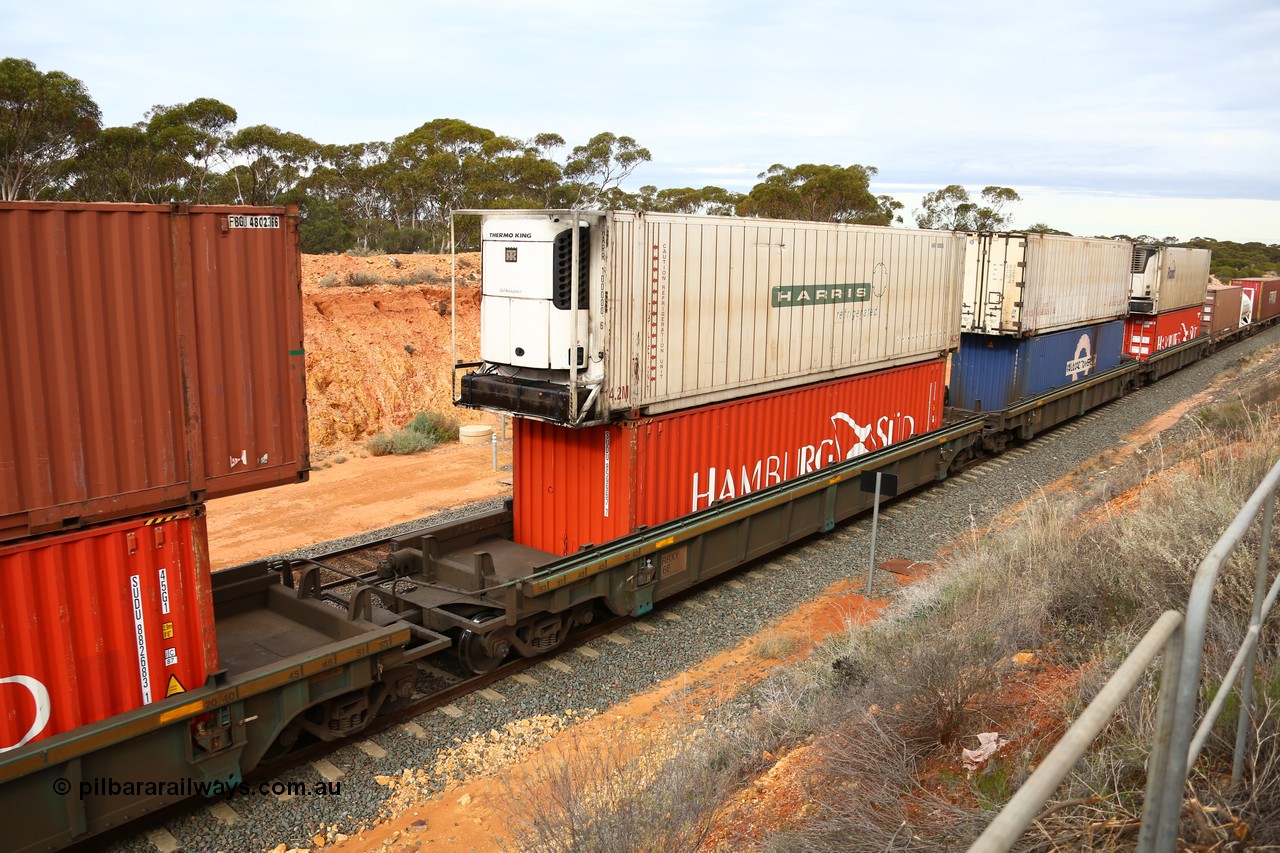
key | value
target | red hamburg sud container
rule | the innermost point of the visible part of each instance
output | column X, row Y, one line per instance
column 102, row 621
column 578, row 486
column 150, row 357
column 1145, row 335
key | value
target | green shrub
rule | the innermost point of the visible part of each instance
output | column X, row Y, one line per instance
column 424, row 432
column 420, row 277
column 405, row 442
column 379, row 445
column 330, row 280
column 360, row 278
column 434, row 425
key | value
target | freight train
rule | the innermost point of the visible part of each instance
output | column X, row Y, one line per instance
column 692, row 393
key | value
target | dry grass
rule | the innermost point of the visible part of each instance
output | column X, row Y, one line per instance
column 621, row 795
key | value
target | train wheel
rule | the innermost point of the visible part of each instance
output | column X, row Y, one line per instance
column 471, row 651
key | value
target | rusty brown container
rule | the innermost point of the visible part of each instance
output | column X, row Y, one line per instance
column 1221, row 312
column 150, row 357
column 102, row 620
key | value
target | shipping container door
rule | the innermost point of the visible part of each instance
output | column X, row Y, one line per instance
column 247, row 293
column 993, row 280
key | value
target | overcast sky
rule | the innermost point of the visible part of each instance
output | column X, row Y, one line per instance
column 1109, row 117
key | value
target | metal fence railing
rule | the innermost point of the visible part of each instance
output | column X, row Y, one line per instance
column 1175, row 746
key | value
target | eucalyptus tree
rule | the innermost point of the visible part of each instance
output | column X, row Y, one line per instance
column 951, row 209
column 171, row 155
column 191, row 139
column 272, row 162
column 354, row 179
column 601, row 165
column 712, row 201
column 45, row 119
column 819, row 193
column 520, row 174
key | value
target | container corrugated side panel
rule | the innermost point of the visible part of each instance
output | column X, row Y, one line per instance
column 1073, row 281
column 102, row 621
column 90, row 371
column 1183, row 278
column 1265, row 293
column 570, row 486
column 144, row 361
column 992, row 371
column 1221, row 313
column 704, row 327
column 670, row 465
column 247, row 289
column 1267, row 305
column 1148, row 334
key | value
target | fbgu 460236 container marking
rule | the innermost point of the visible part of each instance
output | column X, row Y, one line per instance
column 1030, row 284
column 578, row 486
column 670, row 311
column 102, row 621
column 150, row 356
column 992, row 371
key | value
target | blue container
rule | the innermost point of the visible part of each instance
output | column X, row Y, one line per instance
column 992, row 371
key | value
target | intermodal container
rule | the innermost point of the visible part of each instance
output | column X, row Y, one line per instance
column 579, row 486
column 1167, row 278
column 1221, row 312
column 1145, row 335
column 150, row 357
column 676, row 311
column 101, row 621
column 1029, row 284
column 992, row 371
column 1261, row 299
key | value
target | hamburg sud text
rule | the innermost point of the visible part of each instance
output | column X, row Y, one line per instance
column 231, row 787
column 849, row 439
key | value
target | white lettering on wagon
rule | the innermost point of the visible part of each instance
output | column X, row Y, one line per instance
column 43, row 709
column 140, row 637
column 849, row 440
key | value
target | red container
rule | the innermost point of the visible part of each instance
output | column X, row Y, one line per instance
column 1148, row 334
column 102, row 621
column 1263, row 294
column 150, row 357
column 579, row 486
column 1221, row 314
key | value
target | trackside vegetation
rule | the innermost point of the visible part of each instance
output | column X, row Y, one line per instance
column 425, row 431
column 1014, row 634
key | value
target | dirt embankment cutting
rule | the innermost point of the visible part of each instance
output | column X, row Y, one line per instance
column 379, row 340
